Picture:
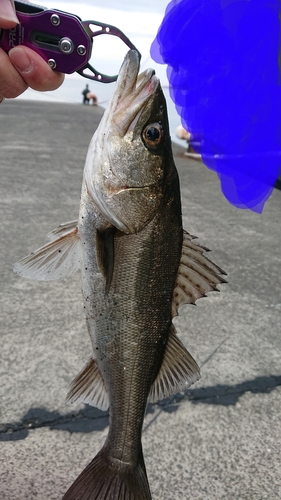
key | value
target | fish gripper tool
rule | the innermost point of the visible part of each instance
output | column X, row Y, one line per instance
column 61, row 38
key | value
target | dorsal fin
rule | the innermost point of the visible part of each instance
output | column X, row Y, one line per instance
column 59, row 258
column 196, row 275
column 178, row 370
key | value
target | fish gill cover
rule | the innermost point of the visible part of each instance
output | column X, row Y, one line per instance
column 222, row 58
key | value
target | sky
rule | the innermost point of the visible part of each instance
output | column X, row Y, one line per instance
column 139, row 20
column 157, row 6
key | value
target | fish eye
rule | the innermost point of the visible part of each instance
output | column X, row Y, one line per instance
column 152, row 135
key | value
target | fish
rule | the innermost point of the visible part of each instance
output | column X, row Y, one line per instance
column 138, row 266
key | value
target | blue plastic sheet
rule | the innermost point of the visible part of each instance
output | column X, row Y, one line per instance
column 223, row 70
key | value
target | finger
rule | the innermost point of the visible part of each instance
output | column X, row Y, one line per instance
column 8, row 18
column 11, row 83
column 34, row 70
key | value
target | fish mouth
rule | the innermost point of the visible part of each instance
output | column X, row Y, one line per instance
column 131, row 94
column 123, row 189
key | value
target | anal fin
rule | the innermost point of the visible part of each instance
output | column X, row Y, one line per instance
column 178, row 370
column 88, row 387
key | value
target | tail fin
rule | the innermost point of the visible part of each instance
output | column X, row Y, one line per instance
column 105, row 479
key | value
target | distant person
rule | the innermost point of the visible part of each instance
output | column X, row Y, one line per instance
column 88, row 95
column 22, row 67
column 182, row 133
column 85, row 93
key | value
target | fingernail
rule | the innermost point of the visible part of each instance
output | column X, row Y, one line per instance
column 21, row 60
column 8, row 13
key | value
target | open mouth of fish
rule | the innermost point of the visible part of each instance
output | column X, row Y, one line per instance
column 121, row 189
column 131, row 94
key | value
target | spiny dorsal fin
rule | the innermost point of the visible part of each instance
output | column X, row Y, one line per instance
column 88, row 387
column 105, row 253
column 196, row 275
column 58, row 259
column 178, row 370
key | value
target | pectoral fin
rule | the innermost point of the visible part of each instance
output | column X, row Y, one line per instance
column 88, row 387
column 62, row 229
column 58, row 259
column 178, row 370
column 196, row 275
column 105, row 253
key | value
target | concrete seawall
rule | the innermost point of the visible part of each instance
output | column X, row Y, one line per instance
column 220, row 440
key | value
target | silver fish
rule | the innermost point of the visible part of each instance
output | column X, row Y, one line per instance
column 138, row 266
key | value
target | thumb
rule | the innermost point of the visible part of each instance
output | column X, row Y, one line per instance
column 8, row 18
column 34, row 70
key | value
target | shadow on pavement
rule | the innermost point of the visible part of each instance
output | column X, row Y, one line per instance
column 91, row 419
column 226, row 395
column 86, row 420
column 229, row 394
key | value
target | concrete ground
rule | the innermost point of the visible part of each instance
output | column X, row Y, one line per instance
column 220, row 440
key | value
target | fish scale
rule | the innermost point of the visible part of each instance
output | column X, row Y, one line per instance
column 133, row 352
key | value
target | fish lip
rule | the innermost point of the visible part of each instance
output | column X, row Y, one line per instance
column 143, row 78
column 131, row 188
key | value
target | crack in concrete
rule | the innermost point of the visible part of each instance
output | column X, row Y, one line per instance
column 89, row 419
column 30, row 425
column 84, row 420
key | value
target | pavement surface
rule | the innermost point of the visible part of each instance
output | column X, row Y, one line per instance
column 219, row 440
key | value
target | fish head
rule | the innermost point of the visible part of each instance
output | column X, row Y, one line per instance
column 126, row 162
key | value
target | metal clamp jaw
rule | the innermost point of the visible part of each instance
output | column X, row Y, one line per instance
column 105, row 29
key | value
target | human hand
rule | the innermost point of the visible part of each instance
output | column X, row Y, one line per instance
column 22, row 67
